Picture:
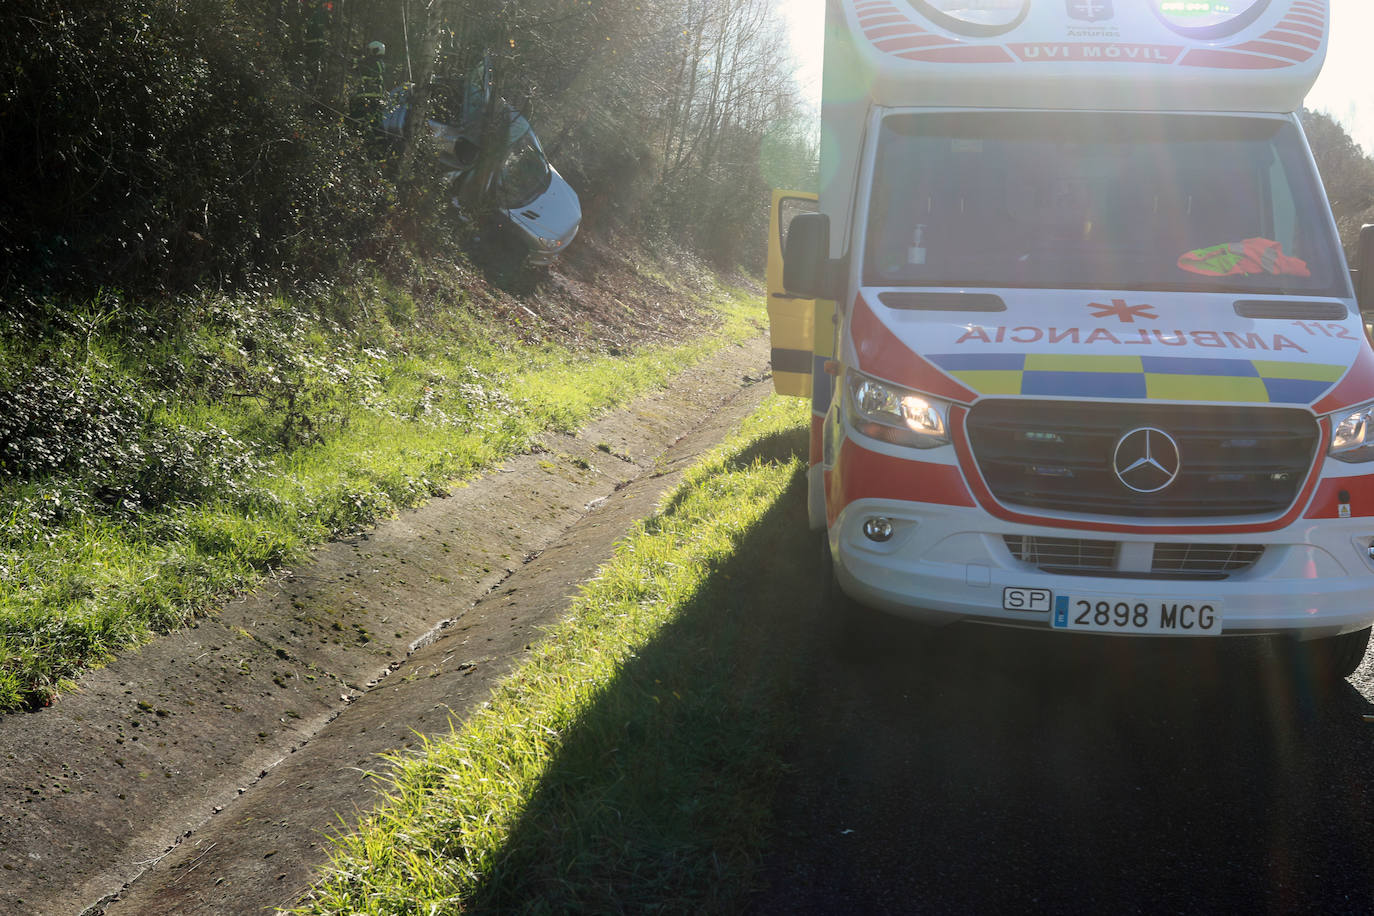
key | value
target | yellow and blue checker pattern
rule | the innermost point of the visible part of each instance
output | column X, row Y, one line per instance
column 1158, row 378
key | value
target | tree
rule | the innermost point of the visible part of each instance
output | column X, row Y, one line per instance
column 1345, row 170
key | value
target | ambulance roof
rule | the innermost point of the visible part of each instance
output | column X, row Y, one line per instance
column 1177, row 55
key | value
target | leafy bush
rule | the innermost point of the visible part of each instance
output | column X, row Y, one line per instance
column 88, row 445
column 160, row 143
column 59, row 418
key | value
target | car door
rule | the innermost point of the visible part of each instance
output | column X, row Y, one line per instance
column 790, row 318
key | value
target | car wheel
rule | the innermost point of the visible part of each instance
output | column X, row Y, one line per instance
column 853, row 623
column 1335, row 657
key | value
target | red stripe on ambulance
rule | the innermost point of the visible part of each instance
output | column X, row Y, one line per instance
column 1355, row 388
column 1359, row 496
column 882, row 355
column 863, row 474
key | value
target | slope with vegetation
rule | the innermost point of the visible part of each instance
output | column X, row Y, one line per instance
column 232, row 323
column 153, row 477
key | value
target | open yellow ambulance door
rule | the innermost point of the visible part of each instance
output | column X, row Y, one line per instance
column 790, row 318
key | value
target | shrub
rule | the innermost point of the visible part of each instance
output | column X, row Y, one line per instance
column 161, row 143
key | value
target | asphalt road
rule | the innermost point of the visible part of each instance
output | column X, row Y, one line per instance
column 984, row 771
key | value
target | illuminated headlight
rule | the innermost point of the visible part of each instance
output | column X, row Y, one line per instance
column 884, row 411
column 1352, row 434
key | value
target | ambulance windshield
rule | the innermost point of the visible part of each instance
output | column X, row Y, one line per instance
column 1094, row 201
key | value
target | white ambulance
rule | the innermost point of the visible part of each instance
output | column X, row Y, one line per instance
column 1084, row 354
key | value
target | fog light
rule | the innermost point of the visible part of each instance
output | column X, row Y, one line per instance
column 879, row 529
column 1371, row 552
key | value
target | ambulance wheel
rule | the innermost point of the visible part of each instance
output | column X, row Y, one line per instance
column 1336, row 657
column 853, row 622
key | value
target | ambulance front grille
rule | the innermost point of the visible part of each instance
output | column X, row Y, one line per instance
column 1058, row 455
column 1205, row 558
column 1071, row 555
column 1085, row 557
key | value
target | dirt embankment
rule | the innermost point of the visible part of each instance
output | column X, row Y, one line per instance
column 600, row 296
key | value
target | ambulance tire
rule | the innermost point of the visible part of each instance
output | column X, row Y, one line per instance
column 1336, row 657
column 854, row 624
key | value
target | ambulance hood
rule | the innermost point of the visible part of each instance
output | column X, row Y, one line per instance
column 1131, row 346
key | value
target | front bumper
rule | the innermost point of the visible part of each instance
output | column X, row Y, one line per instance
column 945, row 564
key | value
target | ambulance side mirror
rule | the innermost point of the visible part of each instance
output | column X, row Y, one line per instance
column 807, row 268
column 1364, row 271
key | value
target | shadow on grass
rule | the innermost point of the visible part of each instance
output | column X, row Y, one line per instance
column 660, row 795
column 772, row 449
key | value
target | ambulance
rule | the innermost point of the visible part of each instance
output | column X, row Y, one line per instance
column 1083, row 348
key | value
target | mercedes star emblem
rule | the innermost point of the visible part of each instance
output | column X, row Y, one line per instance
column 1146, row 459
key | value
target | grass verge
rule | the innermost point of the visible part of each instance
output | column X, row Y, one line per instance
column 164, row 474
column 629, row 765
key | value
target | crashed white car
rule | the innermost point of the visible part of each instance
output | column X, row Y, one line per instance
column 533, row 202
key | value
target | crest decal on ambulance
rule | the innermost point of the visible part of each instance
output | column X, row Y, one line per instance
column 1091, row 10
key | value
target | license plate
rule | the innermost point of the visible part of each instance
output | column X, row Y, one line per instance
column 1154, row 616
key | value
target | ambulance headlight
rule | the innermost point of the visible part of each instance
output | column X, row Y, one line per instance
column 1352, row 434
column 884, row 411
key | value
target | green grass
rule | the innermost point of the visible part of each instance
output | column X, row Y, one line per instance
column 276, row 432
column 630, row 764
